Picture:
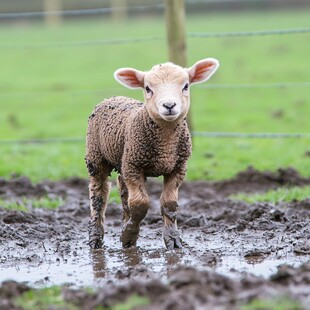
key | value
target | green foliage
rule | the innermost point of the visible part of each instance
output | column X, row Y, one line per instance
column 133, row 301
column 46, row 202
column 283, row 303
column 24, row 204
column 51, row 298
column 43, row 299
column 276, row 196
column 114, row 195
column 12, row 205
column 49, row 94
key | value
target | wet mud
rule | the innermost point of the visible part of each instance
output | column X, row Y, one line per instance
column 233, row 251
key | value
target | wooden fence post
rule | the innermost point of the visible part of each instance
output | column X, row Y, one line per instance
column 176, row 37
column 52, row 6
column 119, row 10
column 175, row 26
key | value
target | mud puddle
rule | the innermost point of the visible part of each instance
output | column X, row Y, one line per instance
column 226, row 239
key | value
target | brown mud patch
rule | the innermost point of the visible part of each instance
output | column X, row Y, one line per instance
column 232, row 250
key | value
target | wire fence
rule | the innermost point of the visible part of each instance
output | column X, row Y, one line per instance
column 224, row 135
column 119, row 89
column 109, row 10
column 248, row 33
column 87, row 43
column 98, row 11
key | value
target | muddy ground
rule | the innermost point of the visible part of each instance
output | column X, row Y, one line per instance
column 233, row 251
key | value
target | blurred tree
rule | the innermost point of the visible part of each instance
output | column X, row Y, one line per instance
column 52, row 6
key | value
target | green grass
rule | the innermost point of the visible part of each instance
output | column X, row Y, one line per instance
column 132, row 302
column 24, row 204
column 12, row 205
column 114, row 195
column 283, row 303
column 276, row 196
column 44, row 92
column 51, row 298
column 43, row 299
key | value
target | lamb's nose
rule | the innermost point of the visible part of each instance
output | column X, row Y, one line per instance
column 169, row 105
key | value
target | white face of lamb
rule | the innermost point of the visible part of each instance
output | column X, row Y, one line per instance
column 166, row 86
column 169, row 100
column 170, row 106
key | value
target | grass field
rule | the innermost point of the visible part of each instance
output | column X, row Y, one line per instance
column 50, row 91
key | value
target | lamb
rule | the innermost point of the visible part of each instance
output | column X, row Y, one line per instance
column 140, row 140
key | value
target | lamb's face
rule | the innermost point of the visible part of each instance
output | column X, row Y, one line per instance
column 166, row 92
column 166, row 86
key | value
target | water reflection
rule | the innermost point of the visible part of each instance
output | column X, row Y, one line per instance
column 132, row 256
column 106, row 261
column 99, row 263
column 172, row 258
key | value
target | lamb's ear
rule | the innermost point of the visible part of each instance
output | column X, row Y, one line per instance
column 130, row 77
column 202, row 70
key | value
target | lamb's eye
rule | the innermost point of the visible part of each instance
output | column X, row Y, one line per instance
column 185, row 88
column 148, row 90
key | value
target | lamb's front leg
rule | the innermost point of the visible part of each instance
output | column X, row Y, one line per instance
column 138, row 204
column 169, row 207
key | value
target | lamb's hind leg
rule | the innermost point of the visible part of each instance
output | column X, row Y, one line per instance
column 169, row 207
column 123, row 191
column 138, row 204
column 98, row 194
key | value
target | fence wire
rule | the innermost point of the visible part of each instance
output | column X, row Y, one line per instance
column 255, row 86
column 98, row 11
column 88, row 43
column 85, row 43
column 226, row 135
column 109, row 10
column 248, row 33
column 121, row 90
column 239, row 135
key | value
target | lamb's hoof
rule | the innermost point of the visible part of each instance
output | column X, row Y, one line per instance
column 95, row 236
column 130, row 234
column 96, row 244
column 172, row 238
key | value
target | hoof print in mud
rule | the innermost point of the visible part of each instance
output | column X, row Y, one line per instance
column 172, row 239
column 130, row 234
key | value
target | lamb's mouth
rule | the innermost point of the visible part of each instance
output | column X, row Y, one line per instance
column 170, row 116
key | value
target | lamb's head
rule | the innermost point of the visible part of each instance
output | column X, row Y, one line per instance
column 166, row 86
